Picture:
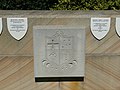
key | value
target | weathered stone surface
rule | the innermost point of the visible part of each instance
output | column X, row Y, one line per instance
column 108, row 45
column 102, row 57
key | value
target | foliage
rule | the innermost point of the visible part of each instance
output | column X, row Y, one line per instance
column 60, row 4
column 26, row 4
column 87, row 5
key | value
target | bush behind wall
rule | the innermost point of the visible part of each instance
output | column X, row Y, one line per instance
column 60, row 4
column 26, row 4
column 87, row 5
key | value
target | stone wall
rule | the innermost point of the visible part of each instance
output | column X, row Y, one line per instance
column 102, row 57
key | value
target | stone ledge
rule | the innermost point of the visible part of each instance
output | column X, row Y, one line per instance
column 59, row 13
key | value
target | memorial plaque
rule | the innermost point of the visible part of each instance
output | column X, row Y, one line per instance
column 100, row 27
column 118, row 26
column 0, row 25
column 17, row 27
column 59, row 53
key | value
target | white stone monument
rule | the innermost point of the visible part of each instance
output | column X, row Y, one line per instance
column 59, row 53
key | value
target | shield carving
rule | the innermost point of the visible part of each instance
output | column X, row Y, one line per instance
column 0, row 25
column 100, row 27
column 59, row 48
column 17, row 27
column 118, row 26
column 59, row 53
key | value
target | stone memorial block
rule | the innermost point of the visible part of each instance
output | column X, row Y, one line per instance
column 59, row 53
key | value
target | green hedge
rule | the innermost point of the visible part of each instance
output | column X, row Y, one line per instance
column 27, row 4
column 60, row 4
column 87, row 5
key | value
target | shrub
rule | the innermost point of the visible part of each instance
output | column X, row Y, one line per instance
column 87, row 5
column 60, row 4
column 26, row 4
